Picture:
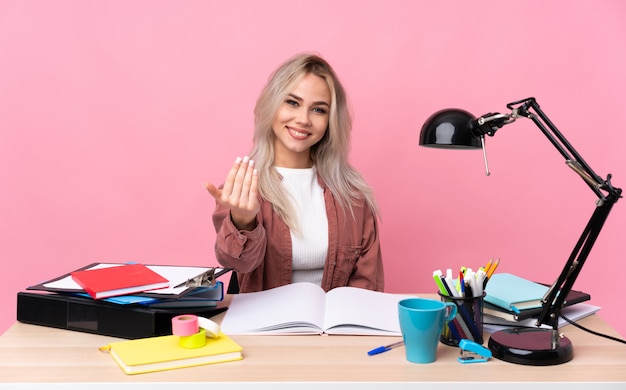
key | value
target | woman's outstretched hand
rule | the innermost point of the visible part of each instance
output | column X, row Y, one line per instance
column 239, row 193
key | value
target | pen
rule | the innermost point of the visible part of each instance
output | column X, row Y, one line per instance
column 480, row 281
column 385, row 348
column 470, row 277
column 462, row 283
column 448, row 281
column 437, row 275
column 446, row 286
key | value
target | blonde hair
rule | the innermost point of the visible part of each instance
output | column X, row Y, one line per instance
column 330, row 154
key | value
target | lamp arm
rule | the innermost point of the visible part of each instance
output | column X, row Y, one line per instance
column 554, row 299
column 573, row 159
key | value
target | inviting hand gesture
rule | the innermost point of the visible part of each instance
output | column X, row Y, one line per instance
column 239, row 193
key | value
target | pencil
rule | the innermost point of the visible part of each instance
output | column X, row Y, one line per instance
column 493, row 268
column 488, row 266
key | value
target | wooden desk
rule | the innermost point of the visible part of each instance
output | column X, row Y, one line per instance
column 37, row 354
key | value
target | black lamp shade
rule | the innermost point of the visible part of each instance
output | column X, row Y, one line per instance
column 449, row 128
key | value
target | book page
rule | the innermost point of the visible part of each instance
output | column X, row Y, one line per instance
column 293, row 308
column 351, row 310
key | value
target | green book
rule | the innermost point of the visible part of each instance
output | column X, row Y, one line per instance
column 514, row 293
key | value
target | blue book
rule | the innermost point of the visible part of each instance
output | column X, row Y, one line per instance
column 197, row 297
column 514, row 293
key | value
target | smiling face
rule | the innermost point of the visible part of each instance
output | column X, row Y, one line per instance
column 300, row 122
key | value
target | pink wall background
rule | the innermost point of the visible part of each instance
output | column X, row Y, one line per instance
column 113, row 114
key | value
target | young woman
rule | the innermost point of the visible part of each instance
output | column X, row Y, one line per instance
column 295, row 210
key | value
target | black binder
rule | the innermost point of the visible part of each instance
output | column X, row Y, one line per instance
column 98, row 317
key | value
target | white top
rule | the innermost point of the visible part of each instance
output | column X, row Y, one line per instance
column 311, row 245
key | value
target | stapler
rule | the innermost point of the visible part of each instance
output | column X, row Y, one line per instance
column 472, row 352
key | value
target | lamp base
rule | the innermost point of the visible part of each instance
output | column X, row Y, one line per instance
column 531, row 346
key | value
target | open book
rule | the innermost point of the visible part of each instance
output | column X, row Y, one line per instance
column 304, row 308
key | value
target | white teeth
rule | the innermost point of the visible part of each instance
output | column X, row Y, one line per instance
column 299, row 134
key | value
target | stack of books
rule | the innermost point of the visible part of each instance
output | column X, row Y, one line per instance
column 149, row 285
column 511, row 300
column 136, row 302
column 99, row 297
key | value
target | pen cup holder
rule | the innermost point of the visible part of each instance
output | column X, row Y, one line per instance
column 468, row 323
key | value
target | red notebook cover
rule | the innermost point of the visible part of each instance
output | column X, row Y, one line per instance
column 118, row 280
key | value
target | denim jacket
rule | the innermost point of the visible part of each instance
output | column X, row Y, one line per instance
column 262, row 258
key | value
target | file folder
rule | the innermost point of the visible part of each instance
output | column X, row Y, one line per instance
column 98, row 317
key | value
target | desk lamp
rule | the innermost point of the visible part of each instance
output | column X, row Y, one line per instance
column 458, row 129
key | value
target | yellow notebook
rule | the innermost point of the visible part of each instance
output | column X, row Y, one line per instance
column 164, row 353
